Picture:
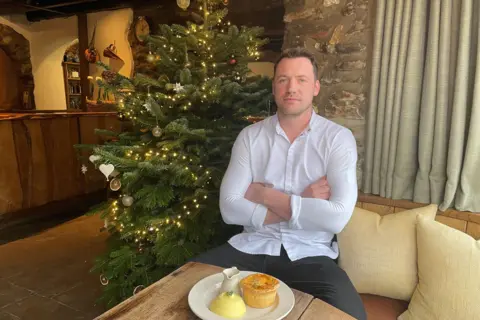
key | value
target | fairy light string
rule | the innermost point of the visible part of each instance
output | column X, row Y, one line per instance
column 176, row 102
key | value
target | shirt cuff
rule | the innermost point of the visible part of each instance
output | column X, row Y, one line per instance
column 295, row 206
column 258, row 217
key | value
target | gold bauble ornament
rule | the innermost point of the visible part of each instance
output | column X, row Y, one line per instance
column 183, row 4
column 150, row 57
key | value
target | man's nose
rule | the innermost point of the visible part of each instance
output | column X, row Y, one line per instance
column 292, row 86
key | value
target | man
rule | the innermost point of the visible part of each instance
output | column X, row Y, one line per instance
column 291, row 182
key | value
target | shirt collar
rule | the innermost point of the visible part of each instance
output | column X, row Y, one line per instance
column 311, row 124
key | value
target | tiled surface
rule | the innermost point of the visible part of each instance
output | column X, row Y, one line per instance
column 44, row 270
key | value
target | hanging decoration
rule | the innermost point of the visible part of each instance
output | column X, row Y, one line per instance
column 184, row 4
column 115, row 184
column 127, row 201
column 84, row 169
column 91, row 53
column 106, row 169
column 178, row 88
column 232, row 61
column 150, row 57
column 138, row 289
column 157, row 132
column 94, row 158
column 103, row 280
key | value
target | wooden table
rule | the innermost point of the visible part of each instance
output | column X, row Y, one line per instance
column 168, row 299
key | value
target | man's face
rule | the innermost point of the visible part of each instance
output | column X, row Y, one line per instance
column 294, row 86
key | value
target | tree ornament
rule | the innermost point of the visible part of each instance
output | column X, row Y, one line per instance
column 232, row 61
column 109, row 76
column 150, row 57
column 106, row 169
column 84, row 169
column 94, row 158
column 183, row 4
column 127, row 201
column 138, row 289
column 225, row 2
column 115, row 184
column 103, row 280
column 178, row 88
column 157, row 132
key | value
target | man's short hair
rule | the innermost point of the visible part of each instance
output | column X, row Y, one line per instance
column 298, row 52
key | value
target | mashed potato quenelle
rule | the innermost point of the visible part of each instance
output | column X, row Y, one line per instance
column 228, row 305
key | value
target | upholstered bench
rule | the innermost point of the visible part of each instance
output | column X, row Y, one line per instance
column 385, row 252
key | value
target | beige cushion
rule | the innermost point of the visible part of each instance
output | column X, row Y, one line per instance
column 379, row 253
column 449, row 275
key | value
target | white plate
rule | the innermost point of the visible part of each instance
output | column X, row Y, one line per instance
column 204, row 291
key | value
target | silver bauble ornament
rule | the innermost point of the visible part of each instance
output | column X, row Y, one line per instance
column 138, row 289
column 157, row 132
column 127, row 201
column 103, row 280
column 115, row 184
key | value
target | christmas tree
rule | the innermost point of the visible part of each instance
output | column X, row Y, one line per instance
column 164, row 172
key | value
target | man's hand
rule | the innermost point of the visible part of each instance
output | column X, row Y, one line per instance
column 256, row 193
column 318, row 190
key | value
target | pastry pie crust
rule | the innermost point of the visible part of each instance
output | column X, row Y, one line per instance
column 259, row 290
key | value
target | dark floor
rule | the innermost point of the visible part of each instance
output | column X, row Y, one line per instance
column 44, row 270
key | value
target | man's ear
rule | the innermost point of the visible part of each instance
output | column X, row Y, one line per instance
column 317, row 88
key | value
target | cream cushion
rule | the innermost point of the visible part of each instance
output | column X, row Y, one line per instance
column 379, row 253
column 449, row 275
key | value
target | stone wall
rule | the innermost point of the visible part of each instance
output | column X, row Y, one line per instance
column 339, row 33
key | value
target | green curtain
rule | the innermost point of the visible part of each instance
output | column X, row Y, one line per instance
column 423, row 122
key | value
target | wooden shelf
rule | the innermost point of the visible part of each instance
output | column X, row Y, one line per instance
column 73, row 100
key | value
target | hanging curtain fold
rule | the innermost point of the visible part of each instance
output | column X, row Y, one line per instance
column 423, row 136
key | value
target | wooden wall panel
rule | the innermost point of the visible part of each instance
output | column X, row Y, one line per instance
column 32, row 164
column 378, row 208
column 10, row 186
column 473, row 229
column 452, row 222
column 39, row 163
column 39, row 180
column 63, row 158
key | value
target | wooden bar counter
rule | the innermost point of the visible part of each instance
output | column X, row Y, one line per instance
column 39, row 166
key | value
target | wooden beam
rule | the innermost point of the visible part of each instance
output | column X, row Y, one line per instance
column 82, row 46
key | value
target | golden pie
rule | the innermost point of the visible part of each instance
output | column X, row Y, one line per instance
column 259, row 290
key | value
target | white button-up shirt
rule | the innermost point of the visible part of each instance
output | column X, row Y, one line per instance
column 263, row 153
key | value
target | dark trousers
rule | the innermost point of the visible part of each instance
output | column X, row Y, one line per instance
column 318, row 276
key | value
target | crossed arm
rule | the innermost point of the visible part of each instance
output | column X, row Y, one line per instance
column 322, row 206
column 278, row 203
